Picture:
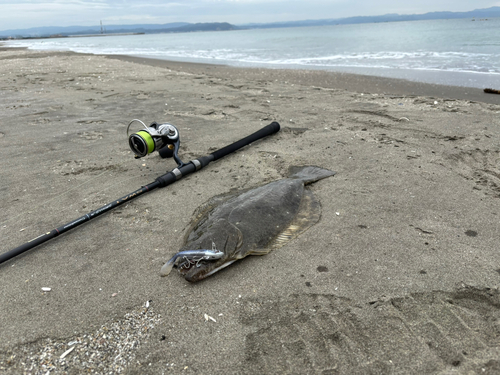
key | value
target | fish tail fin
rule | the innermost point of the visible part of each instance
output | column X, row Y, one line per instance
column 309, row 174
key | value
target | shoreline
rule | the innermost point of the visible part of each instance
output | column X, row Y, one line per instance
column 326, row 79
column 354, row 82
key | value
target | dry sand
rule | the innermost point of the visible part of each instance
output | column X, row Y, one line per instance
column 400, row 275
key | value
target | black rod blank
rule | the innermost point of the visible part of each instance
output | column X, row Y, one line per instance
column 162, row 181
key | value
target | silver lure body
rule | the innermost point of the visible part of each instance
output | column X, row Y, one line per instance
column 190, row 257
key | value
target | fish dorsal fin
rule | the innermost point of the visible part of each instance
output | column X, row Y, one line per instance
column 309, row 174
column 308, row 215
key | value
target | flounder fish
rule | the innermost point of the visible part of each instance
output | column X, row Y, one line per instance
column 253, row 222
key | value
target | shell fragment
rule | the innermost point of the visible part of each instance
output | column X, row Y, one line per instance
column 67, row 352
column 208, row 317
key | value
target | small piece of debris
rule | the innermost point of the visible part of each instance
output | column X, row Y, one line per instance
column 491, row 91
column 67, row 352
column 45, row 289
column 208, row 317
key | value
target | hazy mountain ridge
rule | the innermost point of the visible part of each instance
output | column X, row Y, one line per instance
column 478, row 13
column 78, row 30
column 224, row 26
column 167, row 28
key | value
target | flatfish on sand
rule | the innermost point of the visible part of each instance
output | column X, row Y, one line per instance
column 253, row 222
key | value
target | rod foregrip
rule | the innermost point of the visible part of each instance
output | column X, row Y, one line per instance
column 272, row 128
column 194, row 165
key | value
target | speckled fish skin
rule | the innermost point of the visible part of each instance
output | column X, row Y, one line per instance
column 251, row 222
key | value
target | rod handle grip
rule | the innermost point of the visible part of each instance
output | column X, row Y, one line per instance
column 272, row 128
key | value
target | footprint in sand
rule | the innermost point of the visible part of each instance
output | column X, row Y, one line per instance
column 417, row 334
column 482, row 166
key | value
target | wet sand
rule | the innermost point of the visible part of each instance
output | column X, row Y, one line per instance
column 400, row 274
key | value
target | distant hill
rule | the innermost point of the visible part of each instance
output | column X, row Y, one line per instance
column 179, row 27
column 478, row 13
column 217, row 26
column 112, row 29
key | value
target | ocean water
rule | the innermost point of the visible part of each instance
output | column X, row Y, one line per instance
column 455, row 52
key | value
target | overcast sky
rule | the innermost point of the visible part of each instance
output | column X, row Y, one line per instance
column 20, row 14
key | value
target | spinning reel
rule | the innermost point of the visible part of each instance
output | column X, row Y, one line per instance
column 163, row 138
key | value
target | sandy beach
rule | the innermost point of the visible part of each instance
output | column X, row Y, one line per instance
column 399, row 276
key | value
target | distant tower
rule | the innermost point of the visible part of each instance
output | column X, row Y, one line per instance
column 102, row 32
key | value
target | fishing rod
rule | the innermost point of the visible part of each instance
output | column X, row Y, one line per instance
column 165, row 139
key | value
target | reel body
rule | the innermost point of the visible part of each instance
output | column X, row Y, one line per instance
column 163, row 138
